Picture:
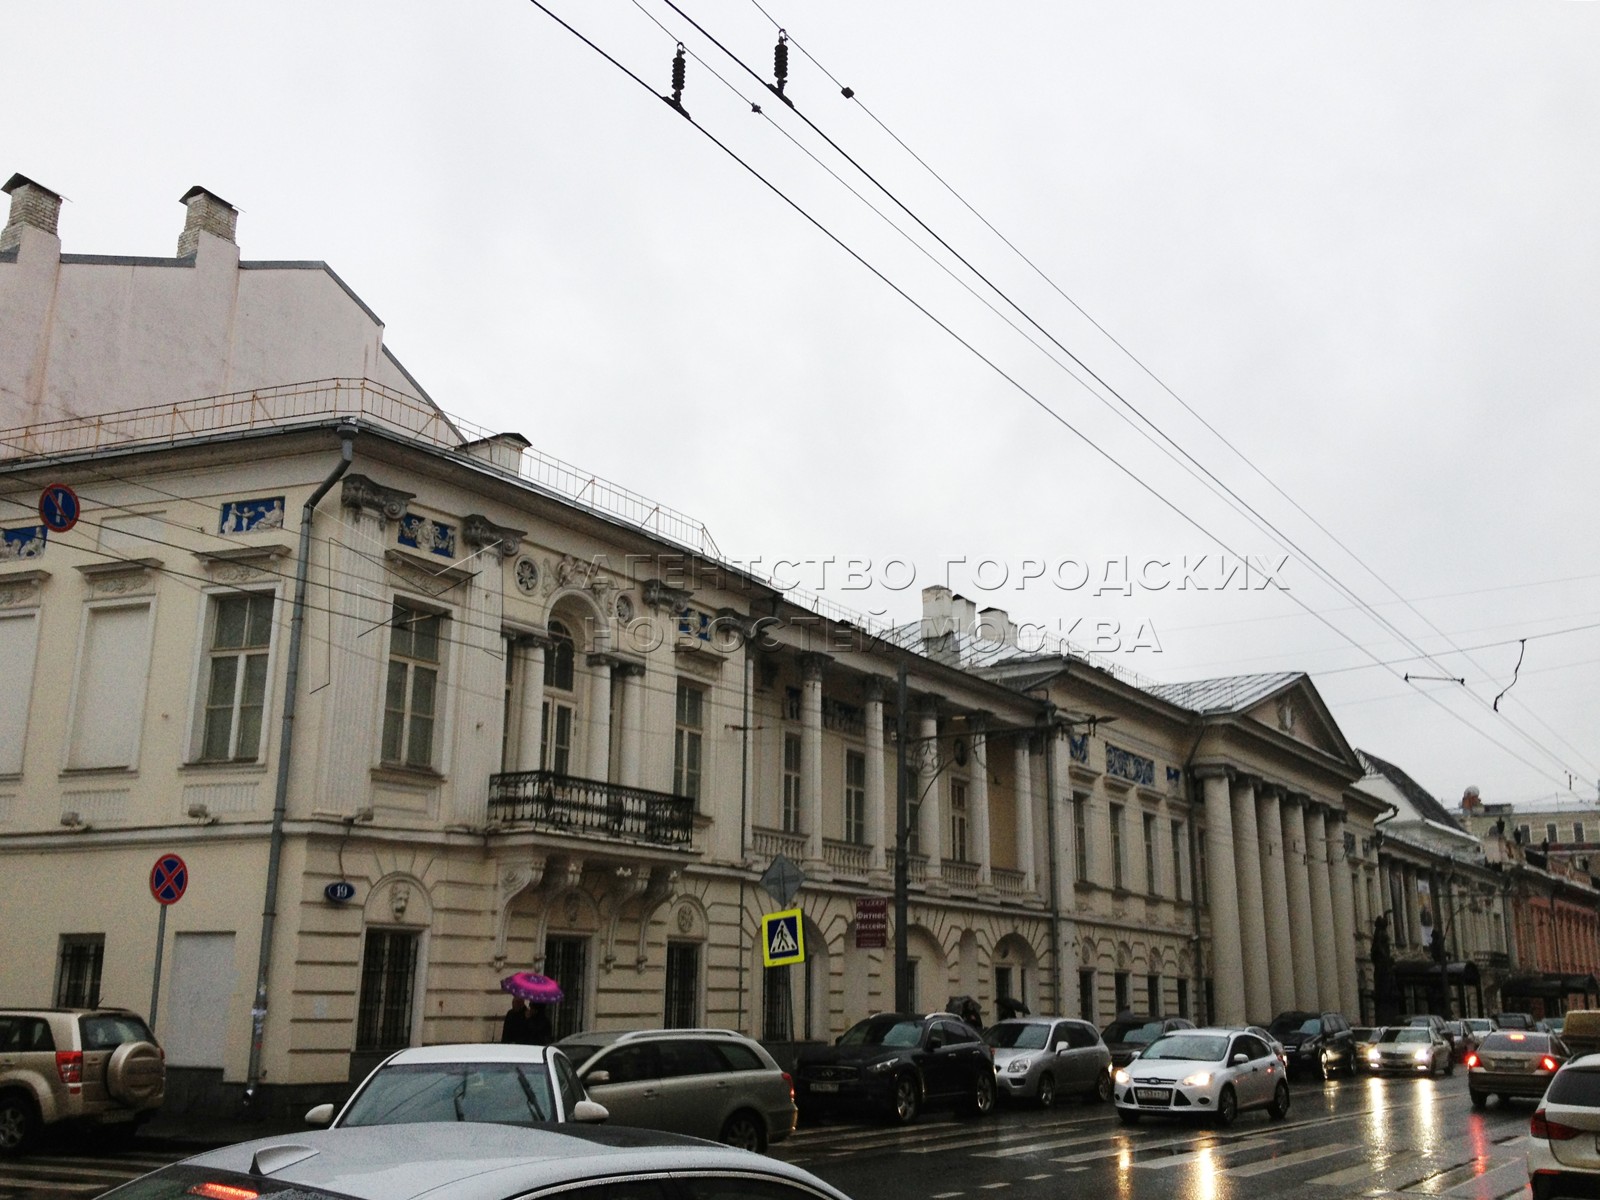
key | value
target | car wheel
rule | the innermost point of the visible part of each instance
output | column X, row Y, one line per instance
column 1227, row 1108
column 1046, row 1095
column 903, row 1108
column 745, row 1130
column 1479, row 1099
column 982, row 1102
column 18, row 1124
column 1102, row 1088
column 1279, row 1108
column 1128, row 1116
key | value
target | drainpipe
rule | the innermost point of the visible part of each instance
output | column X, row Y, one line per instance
column 1051, row 733
column 280, row 801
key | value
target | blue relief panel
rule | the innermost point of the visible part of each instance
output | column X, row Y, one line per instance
column 1078, row 747
column 1174, row 779
column 434, row 537
column 694, row 623
column 1135, row 768
column 26, row 542
column 251, row 516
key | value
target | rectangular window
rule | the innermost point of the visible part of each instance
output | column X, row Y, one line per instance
column 78, row 970
column 388, row 984
column 1002, row 984
column 1080, row 836
column 19, row 639
column 109, row 707
column 1177, row 860
column 1550, row 833
column 683, row 985
column 1201, row 884
column 777, row 1021
column 508, row 707
column 686, row 742
column 555, row 754
column 1527, row 833
column 791, row 783
column 410, row 706
column 1116, row 852
column 1183, row 997
column 1577, row 831
column 1120, row 985
column 235, row 680
column 1152, row 995
column 1151, row 884
column 566, row 959
column 855, row 797
column 1086, row 988
column 958, row 820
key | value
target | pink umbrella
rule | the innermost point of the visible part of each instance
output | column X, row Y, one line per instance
column 536, row 989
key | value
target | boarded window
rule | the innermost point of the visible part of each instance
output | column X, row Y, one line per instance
column 112, row 675
column 19, row 640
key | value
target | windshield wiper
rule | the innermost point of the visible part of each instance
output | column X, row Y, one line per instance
column 533, row 1101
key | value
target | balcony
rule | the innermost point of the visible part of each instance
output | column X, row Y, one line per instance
column 588, row 807
column 849, row 859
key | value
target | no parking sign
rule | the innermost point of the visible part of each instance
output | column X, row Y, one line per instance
column 169, row 879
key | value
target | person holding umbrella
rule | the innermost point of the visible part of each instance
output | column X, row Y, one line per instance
column 525, row 1026
column 518, row 1027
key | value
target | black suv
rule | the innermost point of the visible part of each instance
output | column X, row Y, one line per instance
column 1316, row 1041
column 898, row 1064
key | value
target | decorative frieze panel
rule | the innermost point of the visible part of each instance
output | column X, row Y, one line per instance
column 1174, row 780
column 251, row 516
column 129, row 577
column 1135, row 768
column 21, row 588
column 417, row 532
column 1078, row 747
column 246, row 564
column 220, row 797
column 21, row 543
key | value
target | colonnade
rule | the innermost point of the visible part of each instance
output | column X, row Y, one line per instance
column 1281, row 900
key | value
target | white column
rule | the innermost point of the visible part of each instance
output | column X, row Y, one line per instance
column 1252, row 908
column 1328, row 946
column 811, row 753
column 930, row 829
column 598, row 766
column 978, row 798
column 1227, row 953
column 1024, row 811
column 1275, row 900
column 1302, row 931
column 530, row 702
column 630, row 677
column 877, row 803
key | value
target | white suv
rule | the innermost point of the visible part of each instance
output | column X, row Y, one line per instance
column 97, row 1066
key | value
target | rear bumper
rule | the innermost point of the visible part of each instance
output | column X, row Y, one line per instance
column 1532, row 1086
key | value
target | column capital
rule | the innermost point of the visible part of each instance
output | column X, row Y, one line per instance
column 811, row 665
column 626, row 668
column 601, row 658
column 876, row 686
column 1212, row 771
column 978, row 722
column 360, row 492
column 529, row 638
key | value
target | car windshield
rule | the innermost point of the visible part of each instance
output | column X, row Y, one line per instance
column 1018, row 1035
column 1412, row 1033
column 883, row 1031
column 1307, row 1025
column 1193, row 1047
column 1133, row 1033
column 505, row 1093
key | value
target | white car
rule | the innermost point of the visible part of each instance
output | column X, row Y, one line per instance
column 486, row 1082
column 1564, row 1136
column 1203, row 1072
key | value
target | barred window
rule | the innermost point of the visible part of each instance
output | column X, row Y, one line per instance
column 78, row 970
column 388, row 982
column 683, row 985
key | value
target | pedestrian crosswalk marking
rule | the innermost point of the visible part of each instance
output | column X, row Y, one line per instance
column 1294, row 1159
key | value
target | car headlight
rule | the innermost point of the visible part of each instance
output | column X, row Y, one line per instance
column 1373, row 1055
column 1420, row 1055
column 880, row 1067
column 1019, row 1066
column 1198, row 1079
column 1122, row 1075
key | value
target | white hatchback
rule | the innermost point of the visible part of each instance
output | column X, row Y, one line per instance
column 1203, row 1072
column 1564, row 1136
column 475, row 1081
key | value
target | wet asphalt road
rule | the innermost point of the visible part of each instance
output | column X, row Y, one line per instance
column 1364, row 1137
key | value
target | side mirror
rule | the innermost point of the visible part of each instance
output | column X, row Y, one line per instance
column 322, row 1114
column 589, row 1112
column 1240, row 1058
column 595, row 1077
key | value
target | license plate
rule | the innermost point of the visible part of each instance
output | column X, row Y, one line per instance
column 824, row 1087
column 1152, row 1095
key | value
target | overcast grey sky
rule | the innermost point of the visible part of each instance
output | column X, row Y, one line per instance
column 1357, row 238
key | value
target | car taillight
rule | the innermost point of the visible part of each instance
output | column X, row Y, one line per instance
column 222, row 1191
column 789, row 1079
column 1472, row 1060
column 69, row 1065
column 1555, row 1131
column 1547, row 1063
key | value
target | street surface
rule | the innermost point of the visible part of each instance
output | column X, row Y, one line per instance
column 1369, row 1138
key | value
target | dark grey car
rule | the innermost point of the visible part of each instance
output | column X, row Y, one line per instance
column 1042, row 1058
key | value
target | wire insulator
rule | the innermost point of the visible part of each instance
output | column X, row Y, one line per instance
column 780, row 61
column 679, row 67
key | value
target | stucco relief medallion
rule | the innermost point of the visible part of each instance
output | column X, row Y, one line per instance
column 624, row 608
column 685, row 919
column 571, row 909
column 527, row 573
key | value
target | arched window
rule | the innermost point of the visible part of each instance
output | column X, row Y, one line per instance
column 558, row 658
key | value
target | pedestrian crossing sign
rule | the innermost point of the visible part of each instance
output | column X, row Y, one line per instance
column 783, row 939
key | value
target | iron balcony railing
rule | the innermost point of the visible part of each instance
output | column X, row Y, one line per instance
column 566, row 804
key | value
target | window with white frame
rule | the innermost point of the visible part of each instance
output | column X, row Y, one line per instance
column 1177, row 860
column 19, row 641
column 411, row 699
column 555, row 753
column 855, row 797
column 113, row 670
column 1152, row 885
column 687, row 741
column 958, row 820
column 791, row 783
column 1080, row 836
column 1116, row 852
column 234, row 686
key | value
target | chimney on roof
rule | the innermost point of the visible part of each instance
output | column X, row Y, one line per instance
column 1470, row 800
column 996, row 625
column 208, row 213
column 33, row 206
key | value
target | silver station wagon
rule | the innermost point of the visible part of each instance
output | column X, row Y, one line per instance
column 1044, row 1058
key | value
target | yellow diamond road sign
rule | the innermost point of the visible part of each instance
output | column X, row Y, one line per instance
column 783, row 939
